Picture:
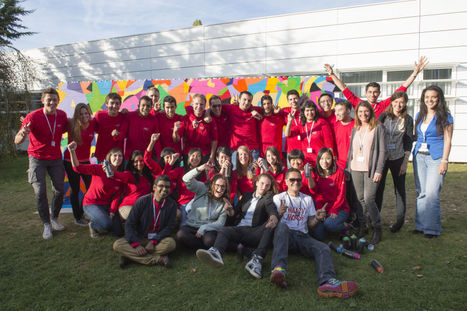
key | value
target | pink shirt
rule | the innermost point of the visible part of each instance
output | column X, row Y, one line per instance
column 361, row 148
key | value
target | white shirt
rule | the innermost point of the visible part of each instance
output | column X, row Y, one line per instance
column 248, row 219
column 298, row 210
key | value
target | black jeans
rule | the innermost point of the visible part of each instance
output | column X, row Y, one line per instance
column 187, row 236
column 286, row 240
column 355, row 205
column 74, row 180
column 259, row 237
column 399, row 189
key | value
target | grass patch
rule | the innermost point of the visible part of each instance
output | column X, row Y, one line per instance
column 75, row 272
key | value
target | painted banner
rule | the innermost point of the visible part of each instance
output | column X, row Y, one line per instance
column 94, row 93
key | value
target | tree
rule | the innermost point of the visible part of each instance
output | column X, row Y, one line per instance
column 197, row 22
column 16, row 73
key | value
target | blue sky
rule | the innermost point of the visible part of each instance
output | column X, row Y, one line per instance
column 66, row 21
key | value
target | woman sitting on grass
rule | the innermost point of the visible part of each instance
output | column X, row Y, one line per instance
column 100, row 202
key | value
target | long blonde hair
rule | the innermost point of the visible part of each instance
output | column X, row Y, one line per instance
column 240, row 168
column 75, row 126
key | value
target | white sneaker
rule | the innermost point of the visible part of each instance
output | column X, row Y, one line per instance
column 47, row 234
column 56, row 225
column 211, row 256
column 253, row 266
column 92, row 233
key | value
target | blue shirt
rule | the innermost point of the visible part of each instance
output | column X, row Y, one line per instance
column 434, row 141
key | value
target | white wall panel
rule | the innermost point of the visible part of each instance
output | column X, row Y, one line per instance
column 393, row 10
column 442, row 7
column 235, row 42
column 302, row 20
column 235, row 69
column 235, row 56
column 177, row 48
column 443, row 21
column 177, row 62
column 191, row 72
column 235, row 28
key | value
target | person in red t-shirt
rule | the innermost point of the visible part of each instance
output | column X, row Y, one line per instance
column 100, row 202
column 293, row 141
column 297, row 161
column 271, row 126
column 138, row 178
column 330, row 194
column 247, row 170
column 196, row 132
column 45, row 127
column 141, row 125
column 275, row 167
column 327, row 113
column 316, row 132
column 154, row 95
column 110, row 127
column 169, row 124
column 373, row 89
column 81, row 130
column 221, row 119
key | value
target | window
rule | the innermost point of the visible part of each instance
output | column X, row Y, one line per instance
column 398, row 75
column 437, row 74
column 362, row 77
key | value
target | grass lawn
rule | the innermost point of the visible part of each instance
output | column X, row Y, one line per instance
column 73, row 271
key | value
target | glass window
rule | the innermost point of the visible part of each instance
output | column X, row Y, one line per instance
column 362, row 77
column 436, row 74
column 399, row 75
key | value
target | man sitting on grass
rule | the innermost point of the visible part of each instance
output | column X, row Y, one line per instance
column 152, row 217
column 297, row 213
column 257, row 217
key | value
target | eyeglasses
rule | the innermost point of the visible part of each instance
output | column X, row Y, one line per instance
column 215, row 106
column 220, row 186
column 297, row 180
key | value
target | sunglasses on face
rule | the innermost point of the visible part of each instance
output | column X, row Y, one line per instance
column 297, row 180
column 215, row 106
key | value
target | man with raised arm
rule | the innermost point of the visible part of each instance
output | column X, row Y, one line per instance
column 45, row 127
column 297, row 214
column 373, row 89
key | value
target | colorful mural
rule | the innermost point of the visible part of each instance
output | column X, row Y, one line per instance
column 94, row 92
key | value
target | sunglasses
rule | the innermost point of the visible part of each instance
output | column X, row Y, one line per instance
column 297, row 180
column 215, row 106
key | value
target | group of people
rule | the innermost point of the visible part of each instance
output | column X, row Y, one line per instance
column 219, row 178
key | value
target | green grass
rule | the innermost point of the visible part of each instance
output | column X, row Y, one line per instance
column 75, row 272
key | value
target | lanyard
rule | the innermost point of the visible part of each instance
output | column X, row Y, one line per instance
column 48, row 123
column 158, row 214
column 392, row 130
column 308, row 137
column 360, row 138
column 299, row 208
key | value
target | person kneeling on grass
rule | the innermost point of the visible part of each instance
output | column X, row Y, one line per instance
column 153, row 218
column 257, row 217
column 297, row 213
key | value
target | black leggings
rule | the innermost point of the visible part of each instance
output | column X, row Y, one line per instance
column 187, row 236
column 74, row 180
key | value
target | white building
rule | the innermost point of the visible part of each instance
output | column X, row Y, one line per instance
column 377, row 42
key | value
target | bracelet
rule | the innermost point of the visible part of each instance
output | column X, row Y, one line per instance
column 445, row 161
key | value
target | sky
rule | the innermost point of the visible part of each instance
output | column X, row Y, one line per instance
column 58, row 22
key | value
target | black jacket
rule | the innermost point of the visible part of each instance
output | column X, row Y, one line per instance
column 264, row 208
column 142, row 215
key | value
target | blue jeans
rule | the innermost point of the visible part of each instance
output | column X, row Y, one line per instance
column 286, row 240
column 99, row 215
column 428, row 182
column 331, row 225
column 183, row 213
column 254, row 152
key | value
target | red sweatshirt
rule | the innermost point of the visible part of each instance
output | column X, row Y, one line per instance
column 243, row 125
column 379, row 107
column 103, row 190
column 166, row 127
column 83, row 151
column 104, row 127
column 42, row 144
column 331, row 119
column 294, row 141
column 331, row 190
column 134, row 191
column 186, row 195
column 315, row 135
column 342, row 134
column 271, row 132
column 223, row 129
column 199, row 137
column 139, row 134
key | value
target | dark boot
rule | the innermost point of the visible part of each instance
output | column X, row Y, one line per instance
column 377, row 233
column 363, row 230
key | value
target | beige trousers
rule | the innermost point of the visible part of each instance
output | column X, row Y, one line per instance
column 164, row 247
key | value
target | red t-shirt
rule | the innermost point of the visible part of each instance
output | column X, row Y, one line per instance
column 103, row 190
column 331, row 119
column 83, row 151
column 42, row 145
column 105, row 124
column 223, row 129
column 379, row 107
column 342, row 135
column 243, row 126
column 280, row 179
column 166, row 127
column 331, row 190
column 186, row 195
column 199, row 137
column 294, row 141
column 316, row 135
column 133, row 191
column 139, row 134
column 271, row 132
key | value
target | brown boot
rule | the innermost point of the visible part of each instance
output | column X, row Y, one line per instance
column 377, row 233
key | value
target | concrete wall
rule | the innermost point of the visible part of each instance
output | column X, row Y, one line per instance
column 386, row 36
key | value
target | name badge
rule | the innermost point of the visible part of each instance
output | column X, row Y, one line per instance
column 52, row 143
column 298, row 137
column 152, row 236
column 391, row 146
column 309, row 150
column 361, row 159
